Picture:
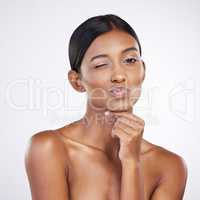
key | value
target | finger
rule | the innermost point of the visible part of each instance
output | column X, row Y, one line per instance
column 110, row 116
column 130, row 116
column 118, row 132
column 130, row 123
column 127, row 128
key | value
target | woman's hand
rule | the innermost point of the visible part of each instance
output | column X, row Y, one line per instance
column 129, row 129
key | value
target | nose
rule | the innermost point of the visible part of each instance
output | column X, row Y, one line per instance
column 118, row 75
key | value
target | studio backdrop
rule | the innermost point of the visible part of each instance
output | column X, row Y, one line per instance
column 36, row 94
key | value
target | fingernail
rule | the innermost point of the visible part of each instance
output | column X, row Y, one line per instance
column 107, row 113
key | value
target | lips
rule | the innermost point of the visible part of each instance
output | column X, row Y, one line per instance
column 119, row 91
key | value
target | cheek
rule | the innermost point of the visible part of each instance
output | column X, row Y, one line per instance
column 136, row 80
column 94, row 80
column 137, row 77
column 95, row 85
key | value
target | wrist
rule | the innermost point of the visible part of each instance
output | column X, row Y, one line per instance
column 131, row 162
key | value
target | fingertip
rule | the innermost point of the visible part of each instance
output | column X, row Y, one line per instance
column 107, row 112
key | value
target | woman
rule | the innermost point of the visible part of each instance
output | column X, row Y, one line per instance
column 103, row 156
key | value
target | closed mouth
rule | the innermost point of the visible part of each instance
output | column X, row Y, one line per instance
column 119, row 92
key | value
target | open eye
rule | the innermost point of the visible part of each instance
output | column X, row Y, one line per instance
column 131, row 60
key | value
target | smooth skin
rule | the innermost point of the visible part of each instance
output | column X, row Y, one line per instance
column 103, row 156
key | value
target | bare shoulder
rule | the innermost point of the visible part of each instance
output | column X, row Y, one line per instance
column 166, row 161
column 46, row 166
column 172, row 167
column 47, row 139
column 169, row 159
column 163, row 156
column 46, row 144
column 172, row 170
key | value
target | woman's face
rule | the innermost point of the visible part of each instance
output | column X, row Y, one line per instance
column 111, row 60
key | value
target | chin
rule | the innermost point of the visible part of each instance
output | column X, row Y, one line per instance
column 120, row 106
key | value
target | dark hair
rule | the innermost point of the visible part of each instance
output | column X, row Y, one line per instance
column 86, row 32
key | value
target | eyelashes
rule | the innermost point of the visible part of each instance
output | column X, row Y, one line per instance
column 98, row 66
column 131, row 60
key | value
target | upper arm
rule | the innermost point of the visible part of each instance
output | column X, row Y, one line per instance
column 173, row 181
column 46, row 168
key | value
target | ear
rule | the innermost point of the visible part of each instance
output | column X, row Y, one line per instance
column 74, row 79
column 143, row 63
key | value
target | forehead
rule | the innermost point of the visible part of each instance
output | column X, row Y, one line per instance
column 114, row 41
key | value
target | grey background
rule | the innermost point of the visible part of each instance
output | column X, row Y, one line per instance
column 35, row 93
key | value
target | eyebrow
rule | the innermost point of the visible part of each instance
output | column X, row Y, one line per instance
column 105, row 55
